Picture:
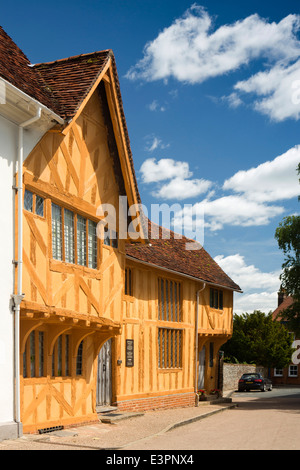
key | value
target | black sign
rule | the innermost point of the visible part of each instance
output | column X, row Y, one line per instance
column 129, row 353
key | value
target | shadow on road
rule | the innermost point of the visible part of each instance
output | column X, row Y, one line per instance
column 280, row 399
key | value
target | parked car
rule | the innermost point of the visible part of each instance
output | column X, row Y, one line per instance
column 254, row 381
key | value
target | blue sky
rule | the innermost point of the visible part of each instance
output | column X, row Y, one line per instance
column 211, row 93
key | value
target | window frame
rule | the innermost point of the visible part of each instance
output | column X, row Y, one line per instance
column 110, row 238
column 35, row 196
column 170, row 348
column 61, row 365
column 216, row 299
column 128, row 288
column 34, row 355
column 85, row 249
column 290, row 374
column 278, row 372
column 79, row 360
column 170, row 300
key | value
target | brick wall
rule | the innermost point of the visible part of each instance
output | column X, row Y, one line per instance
column 159, row 402
column 233, row 372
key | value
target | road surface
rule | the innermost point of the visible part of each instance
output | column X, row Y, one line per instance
column 261, row 421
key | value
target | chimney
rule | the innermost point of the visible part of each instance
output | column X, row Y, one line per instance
column 281, row 296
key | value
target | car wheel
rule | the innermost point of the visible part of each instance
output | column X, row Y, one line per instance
column 264, row 388
column 270, row 388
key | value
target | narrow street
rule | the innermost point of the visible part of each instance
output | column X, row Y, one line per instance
column 261, row 421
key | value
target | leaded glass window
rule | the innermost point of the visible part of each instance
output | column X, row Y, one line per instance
column 56, row 232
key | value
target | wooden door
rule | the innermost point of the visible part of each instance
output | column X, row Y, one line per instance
column 201, row 368
column 104, row 379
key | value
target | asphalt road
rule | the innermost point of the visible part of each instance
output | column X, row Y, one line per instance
column 261, row 421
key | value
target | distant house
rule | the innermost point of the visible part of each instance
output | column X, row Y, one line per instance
column 288, row 375
column 97, row 321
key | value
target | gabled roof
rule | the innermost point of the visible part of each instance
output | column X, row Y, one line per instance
column 287, row 302
column 170, row 253
column 15, row 68
column 70, row 80
column 62, row 85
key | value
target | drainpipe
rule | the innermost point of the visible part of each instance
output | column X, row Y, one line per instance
column 18, row 297
column 196, row 337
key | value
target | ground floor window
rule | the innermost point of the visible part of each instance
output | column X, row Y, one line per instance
column 293, row 371
column 79, row 359
column 61, row 357
column 34, row 357
column 169, row 348
column 278, row 372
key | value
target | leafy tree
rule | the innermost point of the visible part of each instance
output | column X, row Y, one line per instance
column 288, row 238
column 258, row 339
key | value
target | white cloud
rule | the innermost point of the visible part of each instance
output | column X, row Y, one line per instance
column 155, row 106
column 247, row 303
column 278, row 89
column 255, row 195
column 234, row 210
column 179, row 185
column 179, row 188
column 154, row 143
column 260, row 287
column 233, row 100
column 271, row 181
column 248, row 277
column 190, row 51
column 154, row 171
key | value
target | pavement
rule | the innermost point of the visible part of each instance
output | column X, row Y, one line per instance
column 118, row 430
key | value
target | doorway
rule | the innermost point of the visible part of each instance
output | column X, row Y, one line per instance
column 201, row 369
column 104, row 377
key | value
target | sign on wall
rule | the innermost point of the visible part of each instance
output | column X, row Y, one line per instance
column 129, row 352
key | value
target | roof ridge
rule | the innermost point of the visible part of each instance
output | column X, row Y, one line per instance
column 65, row 59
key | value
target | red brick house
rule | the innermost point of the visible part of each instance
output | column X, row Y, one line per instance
column 288, row 375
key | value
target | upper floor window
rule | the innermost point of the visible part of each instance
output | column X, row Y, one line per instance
column 169, row 300
column 128, row 281
column 74, row 238
column 216, row 299
column 110, row 238
column 33, row 203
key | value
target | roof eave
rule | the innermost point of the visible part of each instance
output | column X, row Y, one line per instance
column 20, row 96
column 179, row 273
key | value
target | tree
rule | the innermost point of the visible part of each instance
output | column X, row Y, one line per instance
column 258, row 339
column 288, row 238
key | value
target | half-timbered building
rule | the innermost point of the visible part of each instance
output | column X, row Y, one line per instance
column 102, row 321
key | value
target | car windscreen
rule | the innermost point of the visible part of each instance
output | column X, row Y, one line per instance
column 250, row 376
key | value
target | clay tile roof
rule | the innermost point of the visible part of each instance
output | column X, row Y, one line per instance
column 171, row 254
column 287, row 302
column 17, row 70
column 61, row 85
column 70, row 80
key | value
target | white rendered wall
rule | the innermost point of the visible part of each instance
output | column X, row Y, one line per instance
column 8, row 158
column 8, row 155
